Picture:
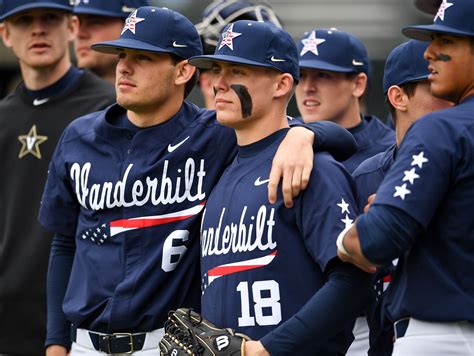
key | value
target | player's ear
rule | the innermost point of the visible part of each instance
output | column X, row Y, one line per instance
column 360, row 85
column 72, row 26
column 397, row 98
column 5, row 34
column 284, row 84
column 183, row 72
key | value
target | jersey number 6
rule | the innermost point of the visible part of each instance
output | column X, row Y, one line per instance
column 174, row 249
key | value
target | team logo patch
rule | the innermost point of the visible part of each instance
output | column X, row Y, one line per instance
column 131, row 22
column 442, row 8
column 30, row 143
column 310, row 44
column 228, row 37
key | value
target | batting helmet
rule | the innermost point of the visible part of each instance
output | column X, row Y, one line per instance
column 222, row 12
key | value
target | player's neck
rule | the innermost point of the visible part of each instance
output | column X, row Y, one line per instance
column 154, row 115
column 257, row 129
column 39, row 78
column 350, row 119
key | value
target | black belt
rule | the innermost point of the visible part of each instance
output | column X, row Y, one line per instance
column 401, row 327
column 116, row 343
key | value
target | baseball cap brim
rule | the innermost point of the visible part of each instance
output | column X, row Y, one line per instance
column 405, row 81
column 205, row 62
column 113, row 47
column 34, row 6
column 316, row 64
column 98, row 12
column 424, row 32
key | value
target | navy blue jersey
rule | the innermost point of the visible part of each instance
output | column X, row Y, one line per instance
column 372, row 137
column 432, row 180
column 260, row 263
column 370, row 174
column 133, row 200
column 368, row 177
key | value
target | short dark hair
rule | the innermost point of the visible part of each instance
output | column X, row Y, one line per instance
column 191, row 82
column 409, row 89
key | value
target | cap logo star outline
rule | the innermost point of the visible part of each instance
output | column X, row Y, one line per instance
column 30, row 143
column 228, row 37
column 131, row 22
column 442, row 8
column 310, row 44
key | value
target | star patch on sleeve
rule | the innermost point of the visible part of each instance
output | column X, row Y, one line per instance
column 418, row 161
column 30, row 143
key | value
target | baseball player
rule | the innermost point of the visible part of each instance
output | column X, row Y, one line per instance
column 421, row 213
column 100, row 20
column 406, row 85
column 32, row 118
column 215, row 17
column 267, row 271
column 334, row 67
column 128, row 185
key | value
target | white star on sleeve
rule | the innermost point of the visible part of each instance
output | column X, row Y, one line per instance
column 410, row 176
column 344, row 207
column 419, row 160
column 347, row 221
column 401, row 191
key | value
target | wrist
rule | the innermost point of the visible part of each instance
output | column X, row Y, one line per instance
column 340, row 241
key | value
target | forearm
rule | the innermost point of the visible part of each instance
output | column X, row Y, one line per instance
column 59, row 270
column 332, row 138
column 338, row 302
column 378, row 237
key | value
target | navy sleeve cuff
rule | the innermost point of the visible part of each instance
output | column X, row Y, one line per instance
column 385, row 233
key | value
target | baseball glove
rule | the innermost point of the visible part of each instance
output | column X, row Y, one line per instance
column 187, row 333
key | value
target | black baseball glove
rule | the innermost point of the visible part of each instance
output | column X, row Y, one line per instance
column 187, row 333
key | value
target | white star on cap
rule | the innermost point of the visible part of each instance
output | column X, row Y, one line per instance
column 131, row 22
column 410, row 176
column 401, row 191
column 442, row 8
column 228, row 37
column 419, row 160
column 347, row 222
column 344, row 206
column 311, row 44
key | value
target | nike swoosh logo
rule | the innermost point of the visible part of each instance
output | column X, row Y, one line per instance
column 172, row 148
column 38, row 102
column 178, row 45
column 273, row 59
column 128, row 9
column 259, row 182
column 355, row 63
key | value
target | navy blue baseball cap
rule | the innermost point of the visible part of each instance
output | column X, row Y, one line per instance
column 406, row 64
column 428, row 6
column 12, row 7
column 333, row 50
column 156, row 29
column 454, row 17
column 109, row 8
column 254, row 43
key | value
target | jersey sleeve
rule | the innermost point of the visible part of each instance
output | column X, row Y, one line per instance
column 325, row 208
column 419, row 178
column 59, row 207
